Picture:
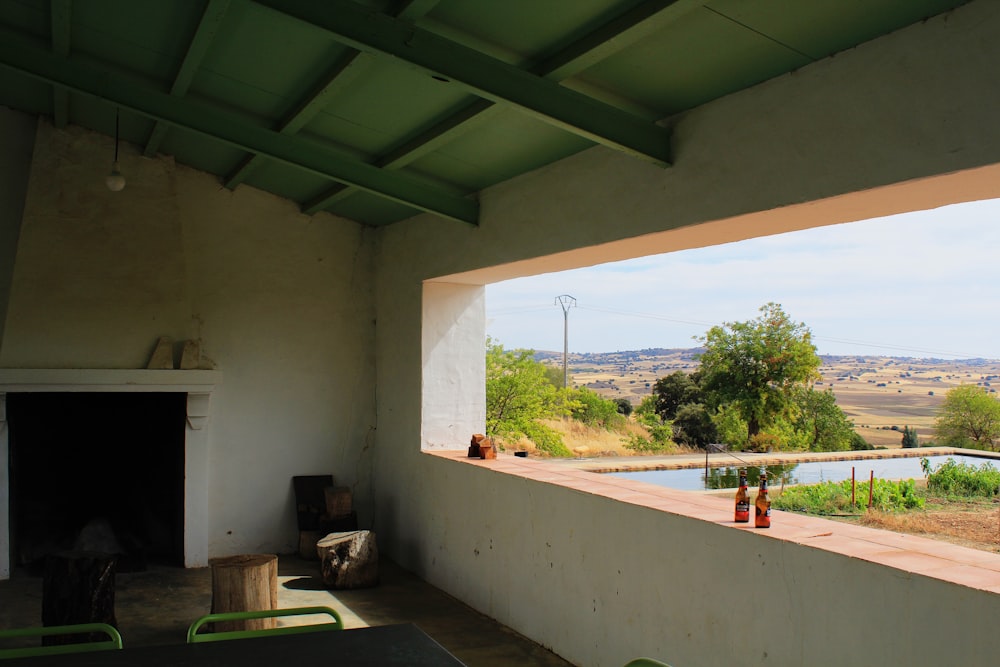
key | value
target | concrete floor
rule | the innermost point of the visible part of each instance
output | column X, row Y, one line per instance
column 156, row 607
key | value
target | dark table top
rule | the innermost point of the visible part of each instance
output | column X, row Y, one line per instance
column 383, row 645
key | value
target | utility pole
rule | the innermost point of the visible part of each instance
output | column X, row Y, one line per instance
column 567, row 302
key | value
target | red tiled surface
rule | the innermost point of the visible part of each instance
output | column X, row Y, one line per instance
column 921, row 556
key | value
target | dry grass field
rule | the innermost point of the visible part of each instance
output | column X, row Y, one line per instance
column 877, row 393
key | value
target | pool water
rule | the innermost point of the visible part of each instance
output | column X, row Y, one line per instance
column 809, row 472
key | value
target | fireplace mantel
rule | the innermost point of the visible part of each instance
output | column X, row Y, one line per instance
column 197, row 384
column 14, row 380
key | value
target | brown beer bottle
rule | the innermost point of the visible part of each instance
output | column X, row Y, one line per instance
column 742, row 500
column 762, row 517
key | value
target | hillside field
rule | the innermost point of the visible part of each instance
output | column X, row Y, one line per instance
column 877, row 393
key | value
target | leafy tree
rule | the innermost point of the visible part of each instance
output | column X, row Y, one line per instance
column 624, row 406
column 673, row 391
column 969, row 417
column 693, row 426
column 730, row 426
column 660, row 432
column 858, row 443
column 910, row 439
column 756, row 366
column 822, row 422
column 518, row 394
column 554, row 375
column 588, row 407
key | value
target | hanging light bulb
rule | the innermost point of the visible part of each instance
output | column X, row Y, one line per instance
column 115, row 181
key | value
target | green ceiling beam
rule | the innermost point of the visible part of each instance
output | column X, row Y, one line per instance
column 26, row 57
column 636, row 23
column 621, row 32
column 343, row 72
column 211, row 21
column 487, row 77
column 427, row 141
column 60, row 15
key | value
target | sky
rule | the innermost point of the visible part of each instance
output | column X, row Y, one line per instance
column 923, row 284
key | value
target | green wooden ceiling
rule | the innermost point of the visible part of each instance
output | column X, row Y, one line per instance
column 381, row 109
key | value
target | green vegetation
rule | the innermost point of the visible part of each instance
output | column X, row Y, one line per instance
column 835, row 497
column 962, row 479
column 754, row 392
column 949, row 480
column 521, row 392
column 660, row 431
column 910, row 438
column 758, row 367
column 970, row 417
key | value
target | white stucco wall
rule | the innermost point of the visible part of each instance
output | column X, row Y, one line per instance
column 282, row 303
column 902, row 123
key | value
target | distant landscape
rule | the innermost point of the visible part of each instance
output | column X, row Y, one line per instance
column 876, row 392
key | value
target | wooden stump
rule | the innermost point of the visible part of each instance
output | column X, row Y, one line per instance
column 78, row 587
column 244, row 583
column 349, row 560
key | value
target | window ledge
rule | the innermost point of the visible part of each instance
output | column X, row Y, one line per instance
column 918, row 555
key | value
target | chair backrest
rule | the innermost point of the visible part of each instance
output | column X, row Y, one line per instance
column 645, row 662
column 113, row 641
column 193, row 636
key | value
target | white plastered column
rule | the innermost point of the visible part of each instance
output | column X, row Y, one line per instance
column 454, row 367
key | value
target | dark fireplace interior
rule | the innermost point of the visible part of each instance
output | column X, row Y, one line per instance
column 97, row 472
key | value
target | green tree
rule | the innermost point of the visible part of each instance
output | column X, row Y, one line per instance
column 660, row 432
column 756, row 366
column 969, row 417
column 673, row 391
column 589, row 408
column 518, row 394
column 624, row 406
column 693, row 426
column 822, row 422
column 910, row 439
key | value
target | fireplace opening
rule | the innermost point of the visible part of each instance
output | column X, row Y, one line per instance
column 99, row 471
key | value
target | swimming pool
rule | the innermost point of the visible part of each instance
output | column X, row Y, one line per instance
column 808, row 472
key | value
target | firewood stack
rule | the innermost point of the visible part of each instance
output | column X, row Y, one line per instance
column 323, row 508
column 482, row 447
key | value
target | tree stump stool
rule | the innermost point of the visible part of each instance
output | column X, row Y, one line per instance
column 244, row 583
column 349, row 560
column 78, row 587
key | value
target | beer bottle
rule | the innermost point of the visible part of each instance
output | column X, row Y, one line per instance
column 762, row 517
column 742, row 499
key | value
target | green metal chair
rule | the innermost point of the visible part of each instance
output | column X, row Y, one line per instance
column 646, row 662
column 194, row 637
column 113, row 642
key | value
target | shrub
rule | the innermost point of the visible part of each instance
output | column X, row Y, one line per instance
column 858, row 443
column 764, row 442
column 962, row 479
column 546, row 439
column 588, row 407
column 910, row 439
column 835, row 497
